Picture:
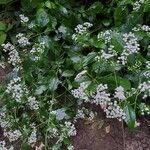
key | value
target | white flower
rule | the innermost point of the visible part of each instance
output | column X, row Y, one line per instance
column 62, row 29
column 71, row 130
column 101, row 97
column 14, row 57
column 119, row 93
column 80, row 92
column 12, row 135
column 32, row 138
column 16, row 89
column 114, row 111
column 145, row 89
column 23, row 18
column 81, row 29
column 22, row 40
column 33, row 103
column 131, row 47
column 105, row 35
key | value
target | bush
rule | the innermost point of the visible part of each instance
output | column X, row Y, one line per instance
column 65, row 54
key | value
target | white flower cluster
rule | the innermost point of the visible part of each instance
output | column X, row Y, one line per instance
column 37, row 50
column 81, row 29
column 144, row 109
column 22, row 40
column 4, row 123
column 147, row 73
column 80, row 92
column 79, row 75
column 3, row 146
column 23, row 18
column 137, row 5
column 16, row 89
column 119, row 93
column 145, row 28
column 114, row 111
column 109, row 54
column 80, row 114
column 101, row 97
column 33, row 103
column 12, row 135
column 145, row 89
column 14, row 57
column 131, row 46
column 71, row 130
column 32, row 138
column 106, row 36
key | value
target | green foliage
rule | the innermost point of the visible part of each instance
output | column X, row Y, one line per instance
column 61, row 56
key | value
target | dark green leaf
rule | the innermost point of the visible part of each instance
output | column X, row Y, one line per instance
column 2, row 37
column 42, row 17
column 130, row 116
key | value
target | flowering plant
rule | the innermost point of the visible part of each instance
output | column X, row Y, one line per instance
column 56, row 69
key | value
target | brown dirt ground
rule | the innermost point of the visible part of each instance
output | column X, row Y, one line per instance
column 106, row 134
column 110, row 134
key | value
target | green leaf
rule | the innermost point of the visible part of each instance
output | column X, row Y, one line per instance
column 53, row 82
column 40, row 90
column 56, row 147
column 130, row 116
column 25, row 147
column 96, row 7
column 125, row 83
column 2, row 26
column 68, row 73
column 42, row 17
column 119, row 16
column 50, row 5
column 147, row 6
column 5, row 1
column 117, row 42
column 2, row 37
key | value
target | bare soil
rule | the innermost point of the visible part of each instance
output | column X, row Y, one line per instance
column 110, row 134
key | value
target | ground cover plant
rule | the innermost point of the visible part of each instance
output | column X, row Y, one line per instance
column 63, row 54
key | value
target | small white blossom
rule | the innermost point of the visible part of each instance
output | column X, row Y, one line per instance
column 12, row 135
column 131, row 47
column 14, row 57
column 101, row 97
column 22, row 40
column 32, row 138
column 106, row 36
column 33, row 103
column 119, row 93
column 114, row 111
column 80, row 92
column 71, row 130
column 145, row 89
column 23, row 18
